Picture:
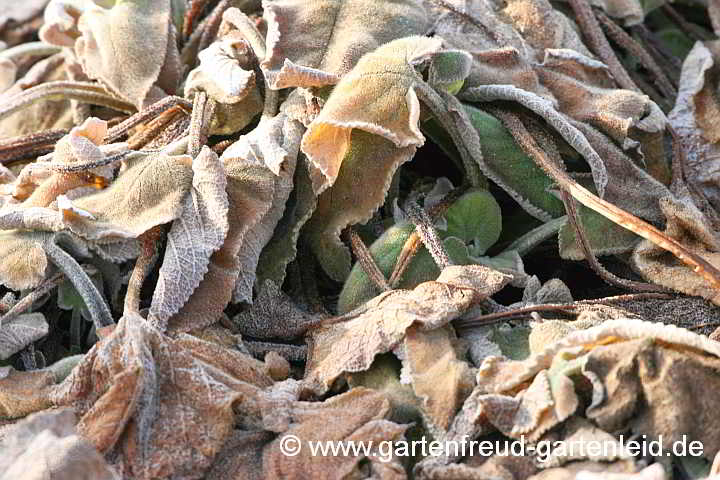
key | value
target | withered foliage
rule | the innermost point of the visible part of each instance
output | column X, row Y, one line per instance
column 234, row 230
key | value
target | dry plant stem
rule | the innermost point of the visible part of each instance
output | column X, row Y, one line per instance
column 89, row 179
column 469, row 18
column 34, row 144
column 619, row 36
column 413, row 243
column 367, row 263
column 30, row 49
column 203, row 111
column 213, row 24
column 149, row 113
column 545, row 109
column 26, row 302
column 467, row 143
column 428, row 235
column 552, row 307
column 191, row 16
column 83, row 91
column 143, row 264
column 599, row 44
column 154, row 128
column 410, row 248
column 257, row 43
column 656, row 48
column 639, row 227
column 687, row 28
column 584, row 244
column 541, row 147
column 94, row 301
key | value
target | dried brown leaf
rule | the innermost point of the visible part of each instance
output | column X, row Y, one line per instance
column 160, row 407
column 438, row 375
column 60, row 26
column 226, row 74
column 366, row 130
column 686, row 224
column 24, row 263
column 674, row 386
column 314, row 43
column 20, row 332
column 22, row 393
column 352, row 341
column 360, row 416
column 46, row 445
column 150, row 191
column 694, row 119
column 273, row 315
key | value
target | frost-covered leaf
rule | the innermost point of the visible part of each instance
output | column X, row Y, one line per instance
column 314, row 43
column 279, row 154
column 689, row 226
column 130, row 48
column 46, row 445
column 282, row 247
column 360, row 415
column 440, row 378
column 149, row 192
column 351, row 342
column 156, row 406
column 20, row 332
column 509, row 166
column 198, row 232
column 366, row 130
column 385, row 251
column 694, row 119
column 226, row 74
column 256, row 198
column 273, row 315
column 60, row 26
column 23, row 261
column 22, row 393
column 624, row 360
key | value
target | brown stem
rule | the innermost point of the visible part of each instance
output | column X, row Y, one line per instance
column 639, row 227
column 213, row 24
column 367, row 263
column 25, row 146
column 146, row 114
column 628, row 43
column 553, row 307
column 82, row 91
column 26, row 302
column 191, row 16
column 144, row 263
column 599, row 43
column 428, row 235
column 155, row 127
column 413, row 243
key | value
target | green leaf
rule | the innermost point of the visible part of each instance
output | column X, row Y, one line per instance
column 358, row 288
column 475, row 218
